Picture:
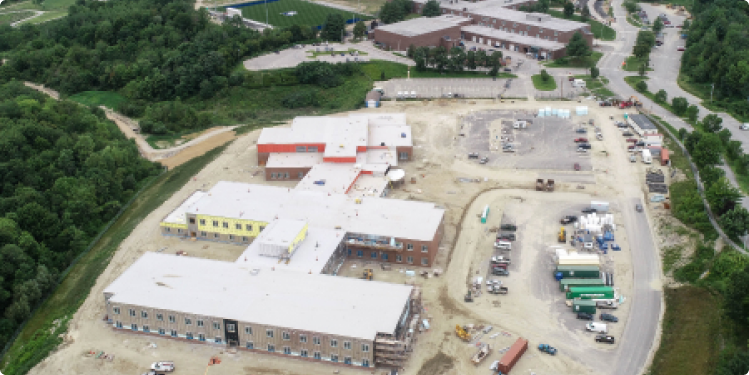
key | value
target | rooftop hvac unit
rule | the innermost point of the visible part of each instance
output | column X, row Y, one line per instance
column 403, row 135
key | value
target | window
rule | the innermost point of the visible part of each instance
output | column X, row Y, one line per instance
column 300, row 175
column 384, row 256
column 334, row 357
column 202, row 221
column 188, row 321
column 231, row 237
column 116, row 310
column 528, row 27
column 171, row 319
column 317, row 355
column 374, row 255
column 192, row 220
column 162, row 331
column 403, row 155
column 302, row 338
column 179, row 230
column 231, row 328
column 410, row 247
column 301, row 149
column 261, row 228
column 238, row 226
column 312, row 149
column 201, row 337
column 245, row 239
column 188, row 335
column 347, row 360
column 168, row 229
column 286, row 350
column 269, row 333
column 271, row 348
column 134, row 327
column 199, row 322
column 410, row 259
column 215, row 223
column 364, row 348
column 333, row 343
column 315, row 340
column 217, row 340
column 250, row 345
column 359, row 253
column 131, row 312
column 365, row 362
column 347, row 345
column 203, row 234
column 248, row 227
column 248, row 330
column 146, row 329
column 424, row 248
column 118, row 324
column 216, row 325
column 424, row 261
column 286, row 175
column 173, row 333
column 556, row 33
column 215, row 235
column 286, row 336
column 304, row 353
column 272, row 176
column 225, row 225
column 398, row 258
column 144, row 314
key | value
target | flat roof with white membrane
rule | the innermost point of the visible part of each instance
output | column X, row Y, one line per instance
column 331, row 178
column 295, row 300
column 294, row 159
column 178, row 215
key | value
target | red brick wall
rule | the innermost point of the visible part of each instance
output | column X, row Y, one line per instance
column 416, row 253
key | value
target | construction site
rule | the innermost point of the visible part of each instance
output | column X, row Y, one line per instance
column 478, row 306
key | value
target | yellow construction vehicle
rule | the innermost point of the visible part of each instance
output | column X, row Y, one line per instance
column 368, row 274
column 562, row 235
column 465, row 336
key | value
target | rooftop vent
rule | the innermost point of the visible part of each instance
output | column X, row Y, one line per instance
column 403, row 135
column 382, row 143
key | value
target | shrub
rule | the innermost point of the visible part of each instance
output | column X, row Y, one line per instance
column 641, row 86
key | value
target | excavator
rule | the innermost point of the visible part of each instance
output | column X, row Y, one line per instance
column 562, row 235
column 465, row 336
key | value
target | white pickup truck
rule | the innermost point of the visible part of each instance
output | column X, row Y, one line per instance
column 744, row 127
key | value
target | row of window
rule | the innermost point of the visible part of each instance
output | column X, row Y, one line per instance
column 305, row 353
column 217, row 236
column 284, row 175
column 385, row 256
column 225, row 225
column 306, row 148
column 494, row 21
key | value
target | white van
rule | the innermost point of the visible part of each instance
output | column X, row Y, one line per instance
column 578, row 83
column 596, row 327
column 503, row 245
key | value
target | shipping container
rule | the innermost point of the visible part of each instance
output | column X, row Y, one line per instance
column 566, row 284
column 512, row 356
column 591, row 292
column 579, row 271
column 599, row 206
column 584, row 305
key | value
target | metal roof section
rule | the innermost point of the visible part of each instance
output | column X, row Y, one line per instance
column 294, row 160
column 460, row 5
column 504, row 37
column 423, row 25
column 178, row 215
column 280, row 298
column 643, row 122
column 533, row 19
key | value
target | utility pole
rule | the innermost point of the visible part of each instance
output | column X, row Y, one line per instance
column 266, row 13
column 712, row 87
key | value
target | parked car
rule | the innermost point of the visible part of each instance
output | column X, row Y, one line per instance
column 606, row 339
column 621, row 125
column 506, row 237
column 507, row 69
column 510, row 227
column 584, row 316
column 164, row 366
column 500, row 259
column 638, row 207
column 589, row 210
column 584, row 145
column 640, row 144
column 473, row 155
column 680, row 48
column 500, row 265
column 498, row 271
column 633, row 140
column 609, row 318
column 577, row 166
column 627, row 134
column 744, row 127
column 582, row 150
column 581, row 130
column 568, row 220
column 578, row 140
column 484, row 160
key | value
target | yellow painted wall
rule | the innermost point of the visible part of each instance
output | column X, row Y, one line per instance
column 299, row 238
column 174, row 225
column 208, row 227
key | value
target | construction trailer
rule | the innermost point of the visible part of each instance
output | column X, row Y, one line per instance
column 591, row 292
column 578, row 271
column 584, row 305
column 566, row 284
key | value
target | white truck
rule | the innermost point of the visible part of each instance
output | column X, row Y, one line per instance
column 647, row 158
column 596, row 327
column 578, row 83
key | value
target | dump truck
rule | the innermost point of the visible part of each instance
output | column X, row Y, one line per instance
column 540, row 184
column 462, row 333
column 481, row 355
column 562, row 237
column 550, row 185
column 512, row 356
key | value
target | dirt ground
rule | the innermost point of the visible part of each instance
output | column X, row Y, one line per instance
column 534, row 308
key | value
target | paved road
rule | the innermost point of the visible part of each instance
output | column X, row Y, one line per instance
column 638, row 338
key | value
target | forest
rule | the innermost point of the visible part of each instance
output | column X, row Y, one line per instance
column 156, row 53
column 718, row 53
column 65, row 172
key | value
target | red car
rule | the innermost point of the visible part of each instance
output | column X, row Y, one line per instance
column 577, row 166
column 633, row 140
column 578, row 140
column 680, row 48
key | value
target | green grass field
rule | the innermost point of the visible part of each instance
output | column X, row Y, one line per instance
column 8, row 18
column 568, row 62
column 633, row 64
column 106, row 98
column 374, row 70
column 540, row 85
column 307, row 13
column 596, row 86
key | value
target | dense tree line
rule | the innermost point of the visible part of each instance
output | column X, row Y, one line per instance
column 396, row 10
column 148, row 50
column 454, row 60
column 64, row 172
column 718, row 51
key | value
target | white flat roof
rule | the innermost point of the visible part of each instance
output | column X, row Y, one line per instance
column 178, row 215
column 390, row 135
column 514, row 38
column 478, row 4
column 331, row 131
column 282, row 232
column 294, row 159
column 311, row 255
column 376, row 216
column 331, row 178
column 318, row 303
column 387, row 156
column 383, row 118
column 368, row 186
column 423, row 25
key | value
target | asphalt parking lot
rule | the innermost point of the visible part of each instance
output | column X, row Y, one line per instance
column 464, row 87
column 546, row 142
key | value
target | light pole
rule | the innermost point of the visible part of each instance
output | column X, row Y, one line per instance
column 266, row 13
column 712, row 87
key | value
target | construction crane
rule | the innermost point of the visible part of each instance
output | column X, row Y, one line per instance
column 465, row 336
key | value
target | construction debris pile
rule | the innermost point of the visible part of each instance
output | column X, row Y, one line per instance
column 656, row 181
